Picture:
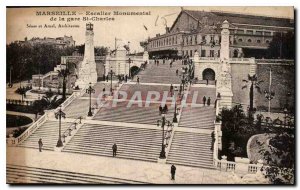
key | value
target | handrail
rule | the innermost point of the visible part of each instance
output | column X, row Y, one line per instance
column 27, row 132
column 72, row 127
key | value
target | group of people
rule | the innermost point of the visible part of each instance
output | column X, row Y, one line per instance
column 163, row 109
column 207, row 102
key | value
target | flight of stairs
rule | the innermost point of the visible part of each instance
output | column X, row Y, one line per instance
column 132, row 114
column 24, row 174
column 198, row 117
column 78, row 108
column 49, row 134
column 191, row 149
column 161, row 74
column 201, row 92
column 133, row 143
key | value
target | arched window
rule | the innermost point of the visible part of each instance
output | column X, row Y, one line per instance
column 258, row 41
column 249, row 40
column 240, row 40
column 267, row 41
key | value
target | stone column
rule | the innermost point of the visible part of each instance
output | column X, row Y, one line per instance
column 224, row 78
column 197, row 65
column 224, row 163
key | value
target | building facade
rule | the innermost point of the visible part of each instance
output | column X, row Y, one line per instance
column 60, row 42
column 201, row 31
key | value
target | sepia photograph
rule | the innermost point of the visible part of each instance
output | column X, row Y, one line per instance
column 143, row 95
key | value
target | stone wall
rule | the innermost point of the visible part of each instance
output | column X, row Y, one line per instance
column 283, row 81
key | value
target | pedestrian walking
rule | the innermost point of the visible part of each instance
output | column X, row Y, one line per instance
column 208, row 101
column 138, row 80
column 166, row 108
column 160, row 109
column 126, row 77
column 171, row 64
column 206, row 81
column 103, row 77
column 40, row 144
column 204, row 100
column 106, row 78
column 114, row 148
column 164, row 61
column 173, row 171
column 171, row 88
column 176, row 72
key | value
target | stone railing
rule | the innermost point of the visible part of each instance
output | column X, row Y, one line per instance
column 242, row 60
column 209, row 58
column 278, row 61
column 11, row 141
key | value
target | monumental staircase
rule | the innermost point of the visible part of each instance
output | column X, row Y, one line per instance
column 133, row 143
column 48, row 132
column 131, row 114
column 26, row 174
column 162, row 73
column 191, row 149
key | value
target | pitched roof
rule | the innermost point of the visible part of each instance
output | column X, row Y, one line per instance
column 241, row 18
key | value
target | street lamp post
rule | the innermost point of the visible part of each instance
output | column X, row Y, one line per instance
column 90, row 90
column 111, row 75
column 59, row 115
column 285, row 114
column 269, row 95
column 163, row 122
column 175, row 109
column 129, row 61
column 64, row 72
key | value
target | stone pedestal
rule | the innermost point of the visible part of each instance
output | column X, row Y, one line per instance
column 162, row 161
column 87, row 70
column 146, row 56
column 241, row 166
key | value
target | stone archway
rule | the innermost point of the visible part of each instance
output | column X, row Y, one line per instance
column 133, row 70
column 208, row 74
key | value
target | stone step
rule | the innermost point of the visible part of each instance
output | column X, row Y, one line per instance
column 39, row 175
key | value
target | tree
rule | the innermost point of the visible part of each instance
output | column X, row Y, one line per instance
column 282, row 46
column 37, row 108
column 254, row 83
column 64, row 73
column 280, row 160
column 50, row 101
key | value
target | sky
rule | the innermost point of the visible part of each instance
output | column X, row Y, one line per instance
column 126, row 28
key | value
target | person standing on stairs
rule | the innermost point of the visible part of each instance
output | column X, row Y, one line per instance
column 40, row 144
column 204, row 100
column 208, row 101
column 114, row 148
column 173, row 171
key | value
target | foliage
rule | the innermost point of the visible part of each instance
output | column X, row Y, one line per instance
column 280, row 159
column 235, row 132
column 18, row 132
column 50, row 101
column 99, row 51
column 26, row 60
column 254, row 84
column 282, row 44
column 17, row 120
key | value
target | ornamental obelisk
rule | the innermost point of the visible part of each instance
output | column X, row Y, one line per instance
column 224, row 78
column 87, row 70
